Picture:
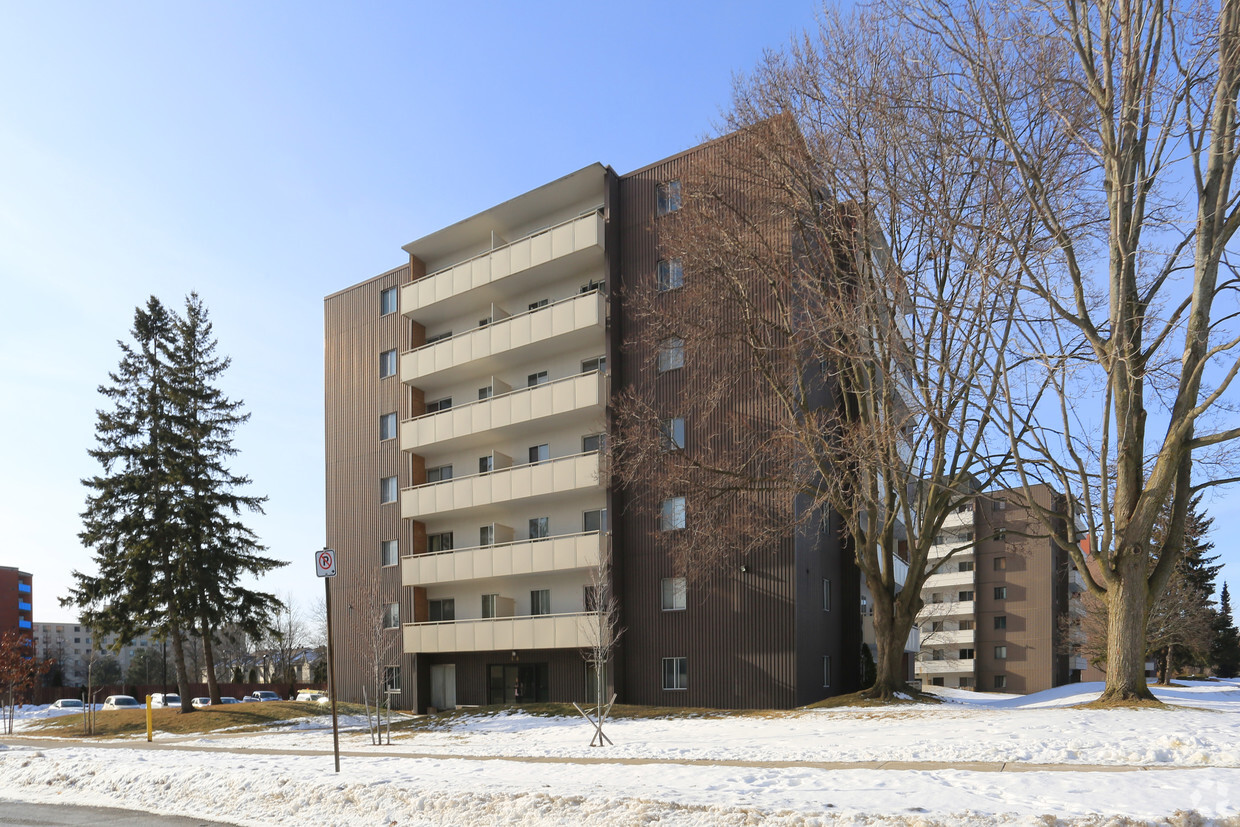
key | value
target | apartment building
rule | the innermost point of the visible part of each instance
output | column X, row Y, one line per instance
column 16, row 614
column 997, row 615
column 469, row 499
column 74, row 646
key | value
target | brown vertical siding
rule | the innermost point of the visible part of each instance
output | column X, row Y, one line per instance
column 354, row 336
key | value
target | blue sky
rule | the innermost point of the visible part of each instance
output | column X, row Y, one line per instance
column 267, row 154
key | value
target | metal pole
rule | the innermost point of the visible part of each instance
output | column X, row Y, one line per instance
column 331, row 672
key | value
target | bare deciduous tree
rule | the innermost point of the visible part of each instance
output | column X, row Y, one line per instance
column 1128, row 300
column 601, row 632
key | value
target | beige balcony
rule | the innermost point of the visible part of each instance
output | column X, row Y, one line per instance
column 558, row 476
column 947, row 637
column 946, row 666
column 961, row 517
column 476, row 422
column 558, row 631
column 563, row 553
column 541, row 257
column 949, row 580
column 948, row 608
column 569, row 324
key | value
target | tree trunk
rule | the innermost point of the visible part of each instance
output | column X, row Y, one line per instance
column 178, row 658
column 208, row 655
column 1126, row 618
column 889, row 637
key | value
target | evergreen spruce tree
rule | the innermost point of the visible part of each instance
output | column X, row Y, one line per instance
column 131, row 513
column 220, row 549
column 1226, row 649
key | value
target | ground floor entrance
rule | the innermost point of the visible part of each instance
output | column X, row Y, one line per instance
column 511, row 683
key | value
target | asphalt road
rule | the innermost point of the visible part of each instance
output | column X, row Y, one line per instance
column 63, row 815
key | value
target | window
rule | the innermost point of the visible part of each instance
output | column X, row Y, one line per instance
column 1000, row 653
column 389, row 553
column 387, row 301
column 486, row 535
column 486, row 464
column 998, row 505
column 489, row 605
column 442, row 473
column 591, row 286
column 966, row 683
column 1000, row 681
column 443, row 610
column 391, row 615
column 387, row 490
column 672, row 514
column 536, row 379
column 439, row 405
column 938, row 654
column 593, row 442
column 485, row 393
column 671, row 274
column 387, row 426
column 964, row 597
column 671, row 354
column 826, row 595
column 594, row 520
column 591, row 365
column 589, row 598
column 966, row 654
column 539, row 453
column 1000, row 564
column 675, row 673
column 1000, row 592
column 540, row 602
column 826, row 671
column 672, row 594
column 1001, row 535
column 391, row 679
column 966, row 625
column 1001, row 622
column 387, row 364
column 540, row 527
column 962, row 567
column 439, row 337
column 439, row 542
column 538, row 304
column 672, row 434
column 667, row 197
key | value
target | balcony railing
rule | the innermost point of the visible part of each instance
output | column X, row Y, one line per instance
column 552, row 329
column 948, row 579
column 561, row 553
column 946, row 637
column 583, row 392
column 947, row 608
column 581, row 237
column 945, row 666
column 557, row 476
column 556, row 631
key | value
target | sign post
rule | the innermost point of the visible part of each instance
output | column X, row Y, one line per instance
column 325, row 567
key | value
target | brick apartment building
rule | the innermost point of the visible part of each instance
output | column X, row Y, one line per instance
column 16, row 604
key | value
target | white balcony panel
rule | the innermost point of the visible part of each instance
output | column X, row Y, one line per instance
column 558, row 631
column 947, row 637
column 945, row 667
column 561, row 327
column 544, row 256
column 941, row 550
column 948, row 608
column 566, row 553
column 948, row 580
column 1077, row 662
column 961, row 518
column 557, row 476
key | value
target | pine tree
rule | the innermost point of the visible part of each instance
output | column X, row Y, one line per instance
column 220, row 548
column 1226, row 650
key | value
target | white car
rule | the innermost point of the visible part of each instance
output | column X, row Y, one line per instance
column 313, row 697
column 200, row 703
column 67, row 703
column 161, row 700
column 265, row 695
column 121, row 702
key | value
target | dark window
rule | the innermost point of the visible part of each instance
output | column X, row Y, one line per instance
column 1000, row 653
column 964, row 597
column 486, row 535
column 964, row 567
column 439, row 337
column 594, row 520
column 596, row 363
column 389, row 554
column 486, row 464
column 671, row 354
column 441, row 474
column 672, row 432
column 671, row 274
column 387, row 426
column 668, row 197
column 1000, row 592
column 540, row 602
column 672, row 592
column 593, row 442
column 826, row 671
column 442, row 610
column 675, row 673
column 535, row 379
column 1000, row 563
column 439, row 405
column 826, row 595
column 391, row 679
column 536, row 305
column 387, row 301
column 1001, row 622
column 387, row 490
column 1000, row 681
column 387, row 364
column 540, row 527
column 391, row 615
column 539, row 453
column 439, row 542
column 672, row 514
column 966, row 654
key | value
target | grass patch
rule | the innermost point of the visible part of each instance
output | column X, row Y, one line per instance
column 859, row 699
column 1135, row 703
column 235, row 717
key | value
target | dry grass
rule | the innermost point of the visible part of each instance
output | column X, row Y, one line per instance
column 859, row 699
column 236, row 717
column 1134, row 703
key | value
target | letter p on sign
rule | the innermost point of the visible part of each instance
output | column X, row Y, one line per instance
column 325, row 563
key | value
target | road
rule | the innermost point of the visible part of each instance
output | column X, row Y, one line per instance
column 64, row 815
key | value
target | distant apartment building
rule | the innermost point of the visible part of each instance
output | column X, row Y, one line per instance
column 16, row 604
column 75, row 647
column 998, row 615
column 469, row 397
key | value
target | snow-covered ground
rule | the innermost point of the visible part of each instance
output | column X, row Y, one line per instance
column 1179, row 766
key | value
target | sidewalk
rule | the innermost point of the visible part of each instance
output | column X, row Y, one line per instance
column 179, row 744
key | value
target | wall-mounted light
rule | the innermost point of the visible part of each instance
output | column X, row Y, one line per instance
column 744, row 569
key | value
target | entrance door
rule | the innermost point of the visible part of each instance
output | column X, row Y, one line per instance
column 443, row 686
column 514, row 683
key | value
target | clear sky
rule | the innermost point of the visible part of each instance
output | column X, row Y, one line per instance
column 267, row 154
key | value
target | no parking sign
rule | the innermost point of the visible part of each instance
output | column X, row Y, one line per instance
column 325, row 563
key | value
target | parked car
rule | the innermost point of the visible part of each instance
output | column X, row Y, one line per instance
column 121, row 702
column 225, row 699
column 265, row 695
column 249, row 699
column 312, row 697
column 199, row 703
column 161, row 700
column 67, row 703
